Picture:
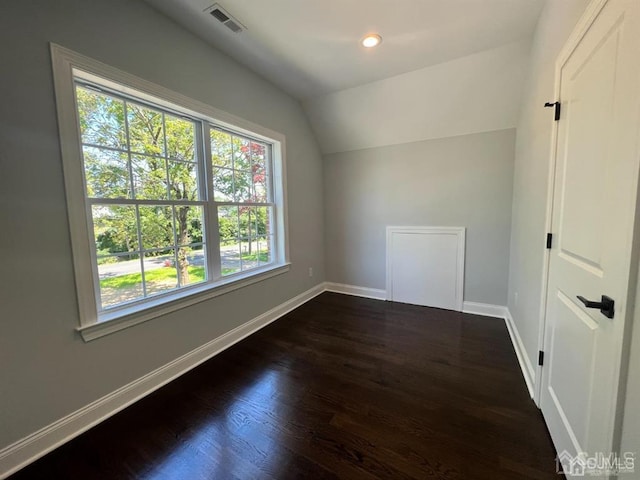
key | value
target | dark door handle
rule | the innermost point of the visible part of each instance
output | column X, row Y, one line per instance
column 605, row 305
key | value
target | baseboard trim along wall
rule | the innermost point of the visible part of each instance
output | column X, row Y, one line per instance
column 484, row 309
column 38, row 444
column 528, row 372
column 366, row 292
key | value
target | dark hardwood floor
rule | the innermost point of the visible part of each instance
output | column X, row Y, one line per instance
column 342, row 387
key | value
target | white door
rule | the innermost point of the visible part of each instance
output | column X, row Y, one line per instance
column 592, row 223
column 425, row 266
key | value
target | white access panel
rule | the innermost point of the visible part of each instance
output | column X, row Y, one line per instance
column 425, row 266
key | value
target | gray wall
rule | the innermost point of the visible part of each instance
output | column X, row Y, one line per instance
column 457, row 181
column 531, row 171
column 46, row 370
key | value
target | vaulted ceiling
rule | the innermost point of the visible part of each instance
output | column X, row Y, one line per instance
column 311, row 48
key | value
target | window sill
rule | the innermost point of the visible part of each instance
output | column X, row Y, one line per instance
column 127, row 318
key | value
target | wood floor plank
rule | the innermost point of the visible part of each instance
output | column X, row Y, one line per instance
column 342, row 387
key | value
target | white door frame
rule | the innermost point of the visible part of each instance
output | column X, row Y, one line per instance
column 591, row 13
column 460, row 232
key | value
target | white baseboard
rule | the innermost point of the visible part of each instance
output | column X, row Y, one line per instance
column 528, row 372
column 484, row 309
column 34, row 446
column 366, row 292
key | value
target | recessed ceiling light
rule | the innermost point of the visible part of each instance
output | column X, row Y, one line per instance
column 371, row 40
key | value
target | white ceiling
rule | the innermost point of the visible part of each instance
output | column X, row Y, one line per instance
column 310, row 47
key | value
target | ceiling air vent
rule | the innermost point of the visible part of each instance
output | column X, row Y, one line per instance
column 217, row 12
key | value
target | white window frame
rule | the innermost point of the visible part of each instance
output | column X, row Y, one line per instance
column 68, row 66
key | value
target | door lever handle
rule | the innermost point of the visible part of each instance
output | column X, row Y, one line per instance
column 606, row 305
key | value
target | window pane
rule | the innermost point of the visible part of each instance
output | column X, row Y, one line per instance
column 156, row 226
column 230, row 258
column 263, row 220
column 264, row 250
column 120, row 280
column 181, row 136
column 221, row 149
column 115, row 228
column 146, row 133
column 101, row 119
column 228, row 225
column 229, row 247
column 196, row 265
column 246, row 218
column 258, row 156
column 106, row 173
column 222, row 185
column 255, row 213
column 242, row 186
column 260, row 187
column 183, row 181
column 241, row 153
column 189, row 224
column 149, row 177
column 250, row 255
column 160, row 272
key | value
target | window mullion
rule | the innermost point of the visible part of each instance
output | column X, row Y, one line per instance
column 166, row 155
column 94, row 259
column 212, row 232
column 143, row 202
column 128, row 140
column 269, row 169
column 272, row 234
column 176, row 258
column 141, row 251
column 138, row 221
column 244, row 204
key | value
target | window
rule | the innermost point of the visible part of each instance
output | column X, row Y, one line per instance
column 243, row 196
column 179, row 203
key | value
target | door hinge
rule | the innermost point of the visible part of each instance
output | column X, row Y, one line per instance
column 556, row 106
column 549, row 239
column 540, row 358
